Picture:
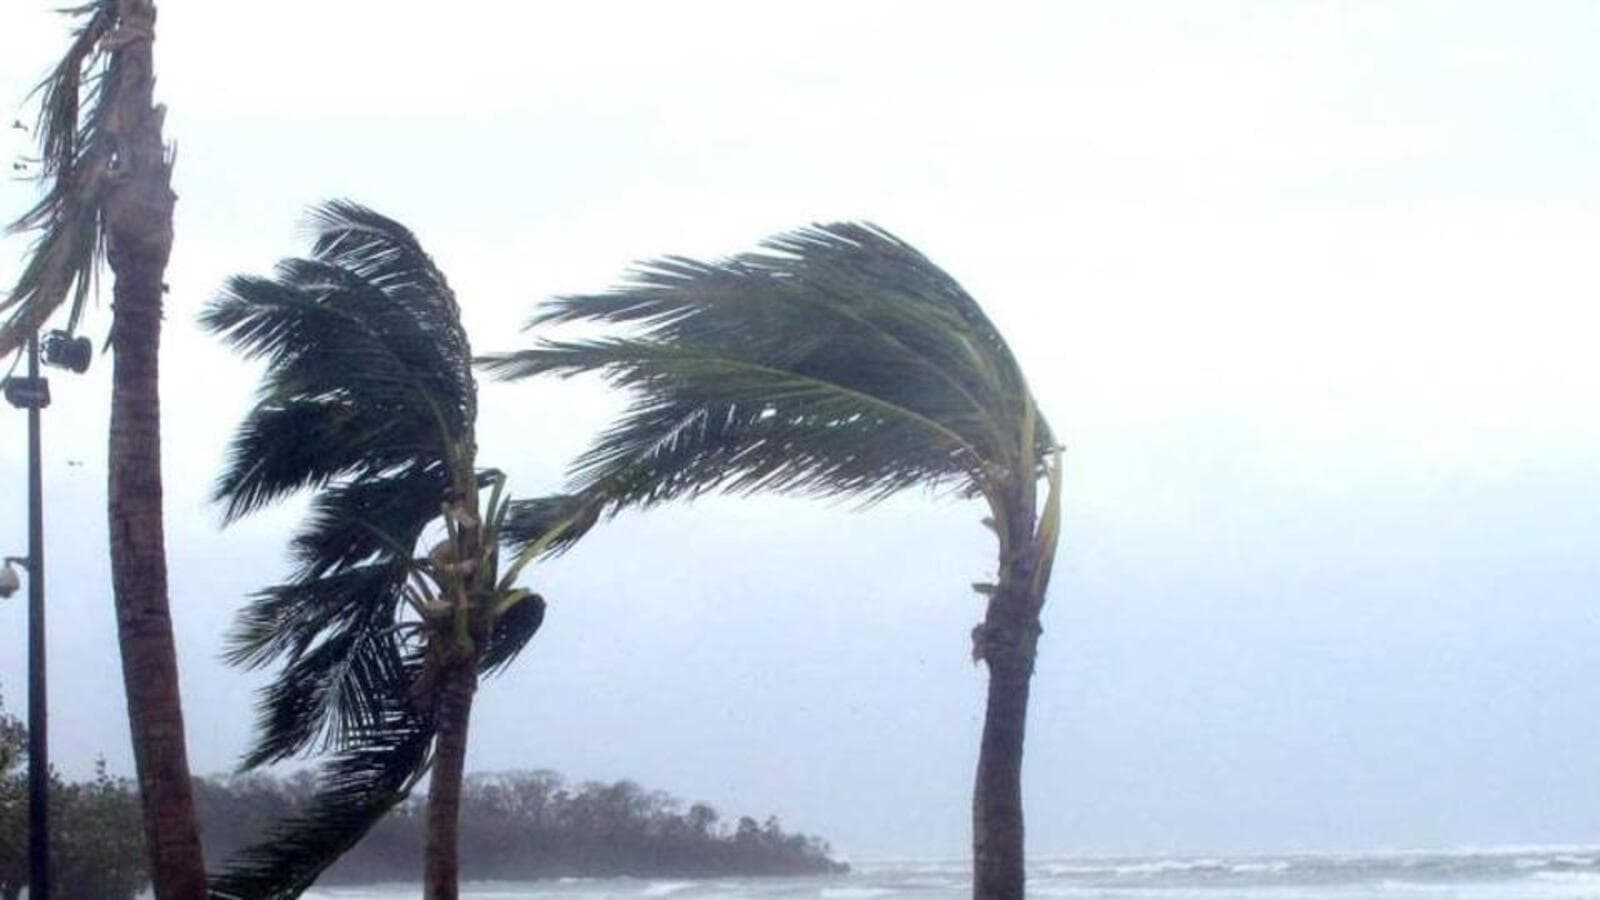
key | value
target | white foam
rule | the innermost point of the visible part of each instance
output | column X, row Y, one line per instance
column 664, row 888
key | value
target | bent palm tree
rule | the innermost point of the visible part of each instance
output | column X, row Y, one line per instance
column 107, row 178
column 838, row 360
column 368, row 401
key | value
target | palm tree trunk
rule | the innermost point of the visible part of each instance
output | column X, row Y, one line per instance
column 138, row 221
column 458, row 682
column 441, row 878
column 997, row 828
column 1007, row 642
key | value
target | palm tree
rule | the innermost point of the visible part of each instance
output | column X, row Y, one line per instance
column 107, row 177
column 835, row 361
column 368, row 402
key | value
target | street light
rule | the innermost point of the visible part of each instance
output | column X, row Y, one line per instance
column 9, row 580
column 32, row 393
column 64, row 351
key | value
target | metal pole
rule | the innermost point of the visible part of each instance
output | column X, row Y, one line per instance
column 38, row 720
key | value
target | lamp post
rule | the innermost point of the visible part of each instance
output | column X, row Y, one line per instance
column 33, row 394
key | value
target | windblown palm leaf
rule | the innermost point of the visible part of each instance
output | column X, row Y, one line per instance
column 76, row 152
column 368, row 366
column 548, row 524
column 356, row 789
column 836, row 360
column 368, row 401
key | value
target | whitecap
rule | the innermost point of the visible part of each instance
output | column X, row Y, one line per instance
column 664, row 888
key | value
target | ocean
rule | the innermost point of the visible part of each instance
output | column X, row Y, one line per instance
column 1502, row 874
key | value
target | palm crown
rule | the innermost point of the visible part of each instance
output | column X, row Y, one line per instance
column 368, row 401
column 835, row 360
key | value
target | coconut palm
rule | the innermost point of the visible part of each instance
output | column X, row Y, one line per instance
column 368, row 403
column 837, row 360
column 106, row 177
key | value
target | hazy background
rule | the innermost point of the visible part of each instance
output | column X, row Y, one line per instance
column 1309, row 288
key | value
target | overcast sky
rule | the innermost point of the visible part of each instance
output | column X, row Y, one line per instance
column 1309, row 288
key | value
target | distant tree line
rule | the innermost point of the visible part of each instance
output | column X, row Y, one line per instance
column 526, row 825
column 514, row 826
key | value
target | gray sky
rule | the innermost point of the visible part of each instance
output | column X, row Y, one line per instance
column 1309, row 288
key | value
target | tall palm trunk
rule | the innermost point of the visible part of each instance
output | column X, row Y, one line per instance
column 1007, row 642
column 459, row 645
column 138, row 222
column 997, row 827
column 442, row 874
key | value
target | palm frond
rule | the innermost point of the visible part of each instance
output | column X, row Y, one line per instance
column 529, row 521
column 834, row 360
column 364, row 372
column 284, row 621
column 513, row 629
column 379, row 516
column 368, row 778
column 328, row 696
column 74, row 153
column 282, row 448
column 333, row 626
column 386, row 254
column 380, row 759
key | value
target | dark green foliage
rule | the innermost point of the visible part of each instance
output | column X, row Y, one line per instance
column 568, row 516
column 836, row 360
column 96, row 834
column 354, row 791
column 13, row 741
column 365, row 388
column 367, row 401
column 368, row 371
column 529, row 825
column 13, row 807
column 97, row 839
column 512, row 631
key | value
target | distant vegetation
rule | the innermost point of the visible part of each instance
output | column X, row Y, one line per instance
column 526, row 825
column 514, row 826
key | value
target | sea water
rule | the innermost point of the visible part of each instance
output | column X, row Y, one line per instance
column 1504, row 874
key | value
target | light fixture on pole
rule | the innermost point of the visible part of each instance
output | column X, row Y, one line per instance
column 10, row 582
column 64, row 351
